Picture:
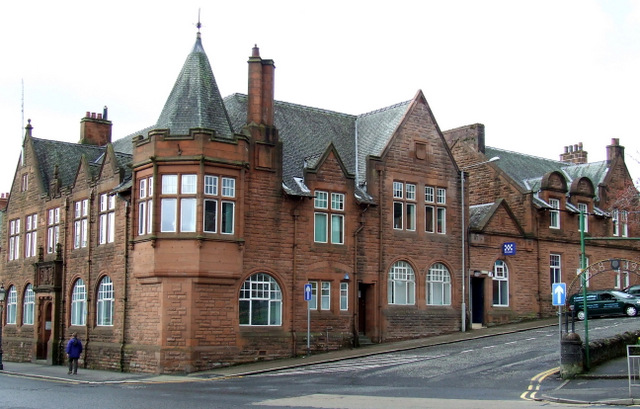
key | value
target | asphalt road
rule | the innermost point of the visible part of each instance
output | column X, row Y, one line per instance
column 494, row 372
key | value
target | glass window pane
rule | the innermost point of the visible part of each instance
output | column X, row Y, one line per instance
column 227, row 217
column 337, row 226
column 188, row 215
column 320, row 227
column 321, row 200
column 168, row 215
column 210, row 216
column 210, row 185
column 397, row 215
column 169, row 184
column 189, row 184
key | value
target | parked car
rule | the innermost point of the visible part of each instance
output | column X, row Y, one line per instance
column 633, row 290
column 605, row 302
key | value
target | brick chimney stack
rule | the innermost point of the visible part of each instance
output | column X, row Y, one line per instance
column 4, row 200
column 261, row 89
column 95, row 129
column 574, row 154
column 614, row 150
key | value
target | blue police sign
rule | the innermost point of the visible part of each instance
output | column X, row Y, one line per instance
column 559, row 293
column 307, row 292
column 509, row 249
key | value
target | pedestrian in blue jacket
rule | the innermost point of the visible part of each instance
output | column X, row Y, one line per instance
column 74, row 349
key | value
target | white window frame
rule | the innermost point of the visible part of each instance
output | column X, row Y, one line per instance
column 429, row 219
column 81, row 223
column 53, row 229
column 401, row 284
column 344, row 296
column 555, row 268
column 584, row 208
column 107, row 228
column 261, row 289
column 12, row 305
column 79, row 303
column 438, row 285
column 500, row 284
column 328, row 217
column 313, row 302
column 14, row 239
column 441, row 220
column 429, row 194
column 145, row 206
column 325, row 295
column 29, row 306
column 554, row 213
column 31, row 235
column 105, row 303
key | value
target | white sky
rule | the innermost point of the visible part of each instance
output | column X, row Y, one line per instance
column 539, row 74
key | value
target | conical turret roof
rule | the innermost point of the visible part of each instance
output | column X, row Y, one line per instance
column 195, row 100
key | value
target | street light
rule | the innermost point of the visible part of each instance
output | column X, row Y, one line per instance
column 3, row 293
column 463, row 305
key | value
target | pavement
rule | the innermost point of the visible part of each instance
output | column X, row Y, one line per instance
column 606, row 384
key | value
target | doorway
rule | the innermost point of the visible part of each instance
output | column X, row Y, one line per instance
column 362, row 308
column 477, row 302
column 44, row 329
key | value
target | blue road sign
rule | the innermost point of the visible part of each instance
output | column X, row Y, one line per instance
column 509, row 249
column 307, row 292
column 559, row 293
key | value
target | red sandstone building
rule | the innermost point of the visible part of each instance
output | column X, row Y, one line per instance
column 532, row 205
column 188, row 245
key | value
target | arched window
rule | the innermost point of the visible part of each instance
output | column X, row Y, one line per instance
column 438, row 285
column 79, row 303
column 260, row 301
column 28, row 306
column 402, row 284
column 12, row 305
column 500, row 283
column 105, row 301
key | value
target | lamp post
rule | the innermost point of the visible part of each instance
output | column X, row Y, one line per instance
column 463, row 305
column 3, row 293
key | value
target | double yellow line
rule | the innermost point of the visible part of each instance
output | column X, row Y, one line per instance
column 536, row 381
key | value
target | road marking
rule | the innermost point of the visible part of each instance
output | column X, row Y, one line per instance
column 536, row 381
column 335, row 401
column 350, row 365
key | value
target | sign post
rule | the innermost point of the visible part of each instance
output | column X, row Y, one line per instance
column 559, row 297
column 307, row 298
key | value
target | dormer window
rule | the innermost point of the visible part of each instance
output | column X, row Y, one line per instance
column 554, row 214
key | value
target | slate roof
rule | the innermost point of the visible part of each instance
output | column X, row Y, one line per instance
column 527, row 170
column 478, row 214
column 306, row 133
column 195, row 100
column 66, row 156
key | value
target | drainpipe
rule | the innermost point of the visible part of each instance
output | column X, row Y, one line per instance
column 128, row 234
column 294, row 268
column 355, row 277
column 380, row 271
column 90, row 222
